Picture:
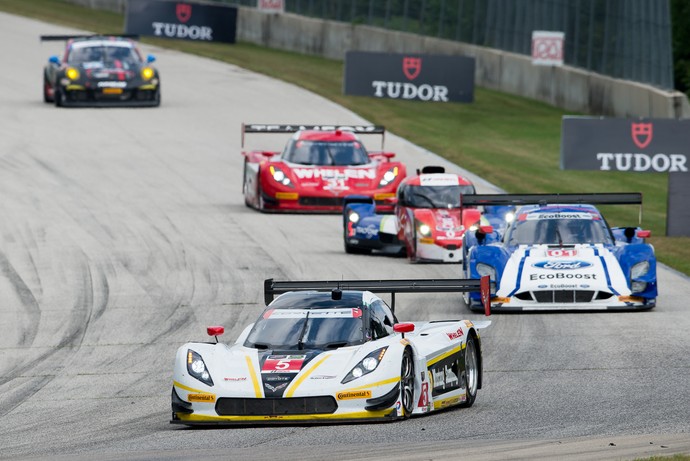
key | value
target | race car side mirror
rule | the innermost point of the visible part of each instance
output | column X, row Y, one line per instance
column 403, row 328
column 150, row 58
column 54, row 60
column 215, row 331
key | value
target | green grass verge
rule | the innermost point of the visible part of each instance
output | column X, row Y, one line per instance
column 511, row 141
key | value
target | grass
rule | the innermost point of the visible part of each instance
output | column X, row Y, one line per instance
column 511, row 141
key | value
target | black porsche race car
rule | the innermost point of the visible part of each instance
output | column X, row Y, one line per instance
column 98, row 70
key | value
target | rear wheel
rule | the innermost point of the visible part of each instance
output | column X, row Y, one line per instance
column 471, row 371
column 407, row 383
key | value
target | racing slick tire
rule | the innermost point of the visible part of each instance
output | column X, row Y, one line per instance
column 58, row 97
column 46, row 85
column 412, row 249
column 407, row 383
column 157, row 98
column 351, row 249
column 471, row 371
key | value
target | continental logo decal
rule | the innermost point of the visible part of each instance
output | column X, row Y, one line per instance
column 353, row 395
column 209, row 398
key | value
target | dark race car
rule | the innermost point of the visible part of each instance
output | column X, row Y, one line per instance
column 100, row 71
column 318, row 167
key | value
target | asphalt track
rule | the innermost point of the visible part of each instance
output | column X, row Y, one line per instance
column 124, row 234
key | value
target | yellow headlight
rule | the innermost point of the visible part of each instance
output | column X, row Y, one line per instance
column 72, row 73
column 147, row 73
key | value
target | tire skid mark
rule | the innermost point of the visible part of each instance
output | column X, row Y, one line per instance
column 81, row 317
column 33, row 312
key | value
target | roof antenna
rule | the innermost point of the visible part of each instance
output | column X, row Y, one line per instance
column 337, row 293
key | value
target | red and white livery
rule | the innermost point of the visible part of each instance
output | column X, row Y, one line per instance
column 317, row 168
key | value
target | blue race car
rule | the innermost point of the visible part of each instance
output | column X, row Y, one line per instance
column 560, row 253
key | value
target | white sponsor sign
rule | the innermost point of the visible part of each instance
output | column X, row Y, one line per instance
column 439, row 180
column 547, row 48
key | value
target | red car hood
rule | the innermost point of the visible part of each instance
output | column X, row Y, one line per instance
column 445, row 223
column 337, row 179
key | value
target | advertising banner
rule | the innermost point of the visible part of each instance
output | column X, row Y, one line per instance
column 182, row 20
column 421, row 77
column 547, row 48
column 271, row 6
column 649, row 145
column 678, row 211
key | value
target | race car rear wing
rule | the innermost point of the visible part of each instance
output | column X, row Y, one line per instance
column 606, row 198
column 483, row 285
column 55, row 38
column 359, row 129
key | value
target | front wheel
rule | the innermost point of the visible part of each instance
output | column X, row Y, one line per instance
column 471, row 371
column 407, row 384
column 46, row 88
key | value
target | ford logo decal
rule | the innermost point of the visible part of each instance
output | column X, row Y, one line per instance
column 561, row 265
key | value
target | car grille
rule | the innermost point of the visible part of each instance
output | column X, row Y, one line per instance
column 278, row 406
column 321, row 201
column 562, row 296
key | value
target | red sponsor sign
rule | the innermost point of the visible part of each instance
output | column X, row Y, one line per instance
column 412, row 67
column 455, row 334
column 283, row 364
column 547, row 48
column 183, row 12
column 271, row 6
column 561, row 253
column 424, row 396
column 642, row 134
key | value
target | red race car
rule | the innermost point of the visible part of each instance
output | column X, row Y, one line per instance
column 318, row 167
column 428, row 222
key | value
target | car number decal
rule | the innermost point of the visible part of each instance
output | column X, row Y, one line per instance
column 283, row 364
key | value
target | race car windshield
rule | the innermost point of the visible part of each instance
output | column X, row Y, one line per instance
column 436, row 196
column 558, row 229
column 98, row 56
column 327, row 153
column 293, row 329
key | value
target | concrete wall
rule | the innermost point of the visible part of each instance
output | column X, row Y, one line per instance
column 566, row 87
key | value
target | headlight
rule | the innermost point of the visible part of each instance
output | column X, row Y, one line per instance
column 638, row 287
column 366, row 365
column 389, row 176
column 72, row 73
column 280, row 177
column 353, row 217
column 510, row 216
column 485, row 269
column 639, row 269
column 424, row 230
column 197, row 368
column 147, row 73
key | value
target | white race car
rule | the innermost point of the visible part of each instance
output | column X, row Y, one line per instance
column 559, row 253
column 332, row 352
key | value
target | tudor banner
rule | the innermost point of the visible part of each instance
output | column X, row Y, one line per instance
column 421, row 77
column 182, row 20
column 649, row 145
